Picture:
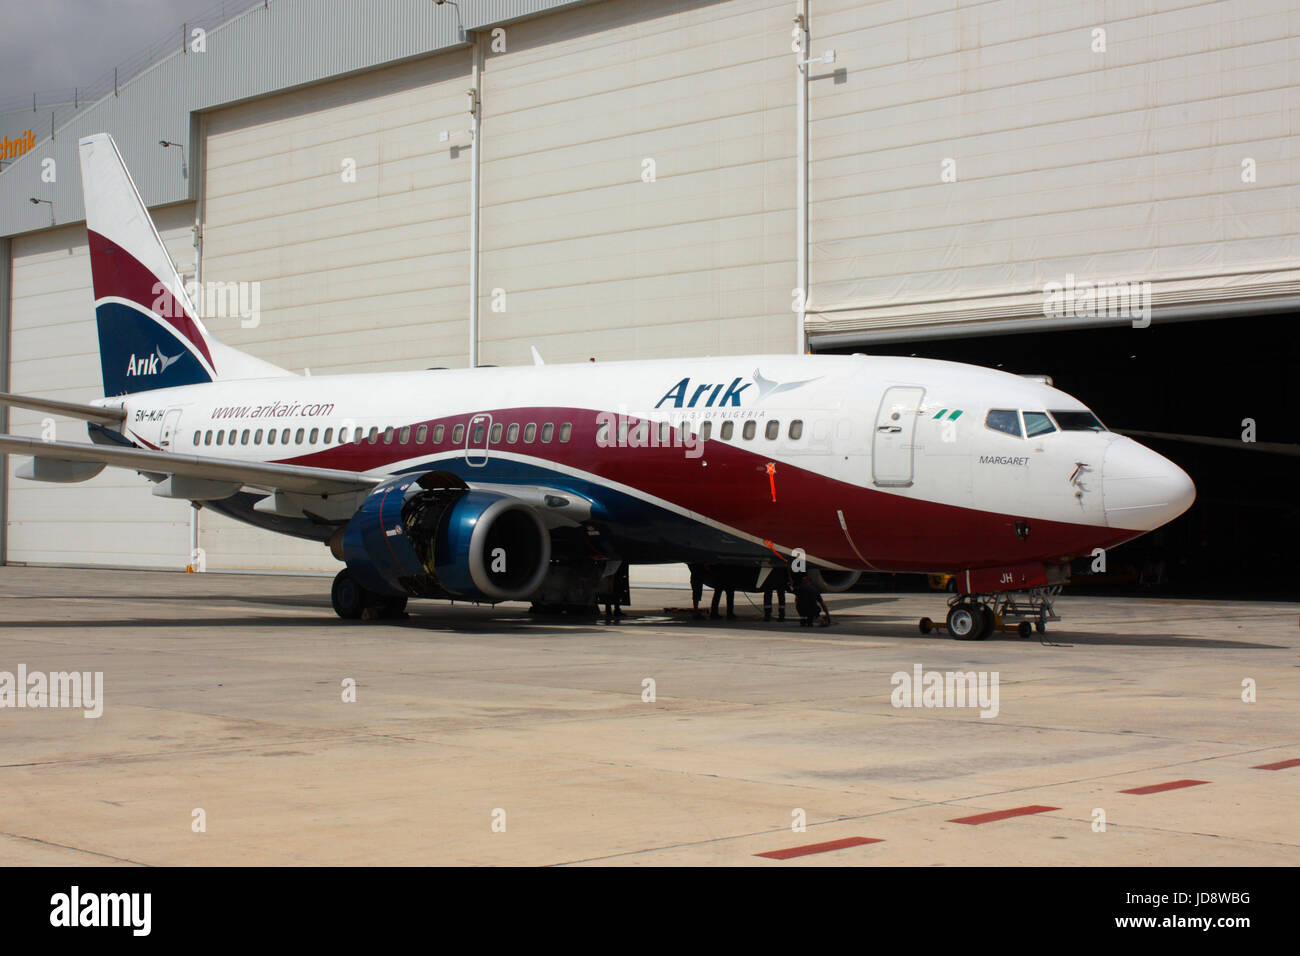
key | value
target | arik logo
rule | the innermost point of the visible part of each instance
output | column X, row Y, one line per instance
column 683, row 395
column 151, row 364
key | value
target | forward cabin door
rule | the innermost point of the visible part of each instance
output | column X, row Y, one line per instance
column 893, row 446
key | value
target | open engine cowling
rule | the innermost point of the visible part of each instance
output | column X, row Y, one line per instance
column 431, row 536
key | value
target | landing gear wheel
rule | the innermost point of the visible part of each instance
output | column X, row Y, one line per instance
column 926, row 625
column 1025, row 629
column 965, row 622
column 348, row 596
column 990, row 621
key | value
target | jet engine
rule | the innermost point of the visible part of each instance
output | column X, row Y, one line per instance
column 431, row 535
column 832, row 582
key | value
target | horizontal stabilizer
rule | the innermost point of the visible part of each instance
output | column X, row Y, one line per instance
column 85, row 413
column 270, row 477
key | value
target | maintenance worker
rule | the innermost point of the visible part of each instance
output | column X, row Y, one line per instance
column 808, row 600
column 778, row 580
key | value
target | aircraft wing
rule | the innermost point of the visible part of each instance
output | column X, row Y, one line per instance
column 85, row 413
column 270, row 477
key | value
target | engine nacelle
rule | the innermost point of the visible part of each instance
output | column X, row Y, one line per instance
column 832, row 582
column 431, row 536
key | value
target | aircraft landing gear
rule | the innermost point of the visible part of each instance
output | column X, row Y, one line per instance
column 352, row 601
column 973, row 617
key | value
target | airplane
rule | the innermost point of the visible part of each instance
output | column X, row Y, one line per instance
column 539, row 482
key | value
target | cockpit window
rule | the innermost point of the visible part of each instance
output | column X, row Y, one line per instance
column 1004, row 420
column 1078, row 422
column 1037, row 423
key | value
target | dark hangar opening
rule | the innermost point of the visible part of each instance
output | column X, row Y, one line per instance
column 1241, row 539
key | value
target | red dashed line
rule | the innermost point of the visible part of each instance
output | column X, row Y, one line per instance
column 818, row 848
column 1002, row 814
column 1280, row 765
column 1161, row 787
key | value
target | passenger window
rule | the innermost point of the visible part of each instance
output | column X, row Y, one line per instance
column 457, row 434
column 297, row 438
column 270, row 436
column 665, row 434
column 750, row 428
column 388, row 435
column 727, row 428
column 197, row 436
column 1003, row 420
column 1037, row 423
column 234, row 433
column 329, row 436
column 566, row 431
column 421, row 434
column 478, row 432
column 796, row 429
column 530, row 433
column 404, row 436
column 207, row 437
column 773, row 430
column 257, row 437
column 496, row 433
column 373, row 437
column 284, row 437
column 438, row 431
column 548, row 432
column 221, row 436
column 343, row 435
column 243, row 438
column 643, row 433
column 706, row 430
column 315, row 433
column 512, row 433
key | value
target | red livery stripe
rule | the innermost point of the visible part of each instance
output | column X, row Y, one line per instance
column 818, row 848
column 1161, row 787
column 1003, row 814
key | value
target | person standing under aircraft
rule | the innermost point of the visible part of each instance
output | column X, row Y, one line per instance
column 778, row 580
column 723, row 579
column 698, row 571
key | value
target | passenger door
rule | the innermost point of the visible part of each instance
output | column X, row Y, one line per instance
column 170, row 421
column 893, row 446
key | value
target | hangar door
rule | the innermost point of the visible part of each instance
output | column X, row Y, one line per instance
column 112, row 519
column 345, row 206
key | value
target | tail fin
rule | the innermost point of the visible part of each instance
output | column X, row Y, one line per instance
column 150, row 335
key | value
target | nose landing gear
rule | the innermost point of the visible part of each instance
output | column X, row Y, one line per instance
column 973, row 617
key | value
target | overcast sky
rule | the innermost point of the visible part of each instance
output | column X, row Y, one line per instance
column 53, row 44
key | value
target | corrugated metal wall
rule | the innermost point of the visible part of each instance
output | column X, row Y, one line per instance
column 592, row 258
column 1119, row 165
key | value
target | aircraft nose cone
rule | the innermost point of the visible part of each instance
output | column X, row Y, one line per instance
column 1142, row 490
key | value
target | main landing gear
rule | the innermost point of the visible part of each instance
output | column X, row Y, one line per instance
column 973, row 617
column 352, row 601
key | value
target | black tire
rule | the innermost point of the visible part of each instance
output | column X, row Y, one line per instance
column 348, row 596
column 926, row 625
column 990, row 621
column 1025, row 629
column 965, row 622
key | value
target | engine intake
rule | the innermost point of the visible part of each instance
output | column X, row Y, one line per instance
column 432, row 536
